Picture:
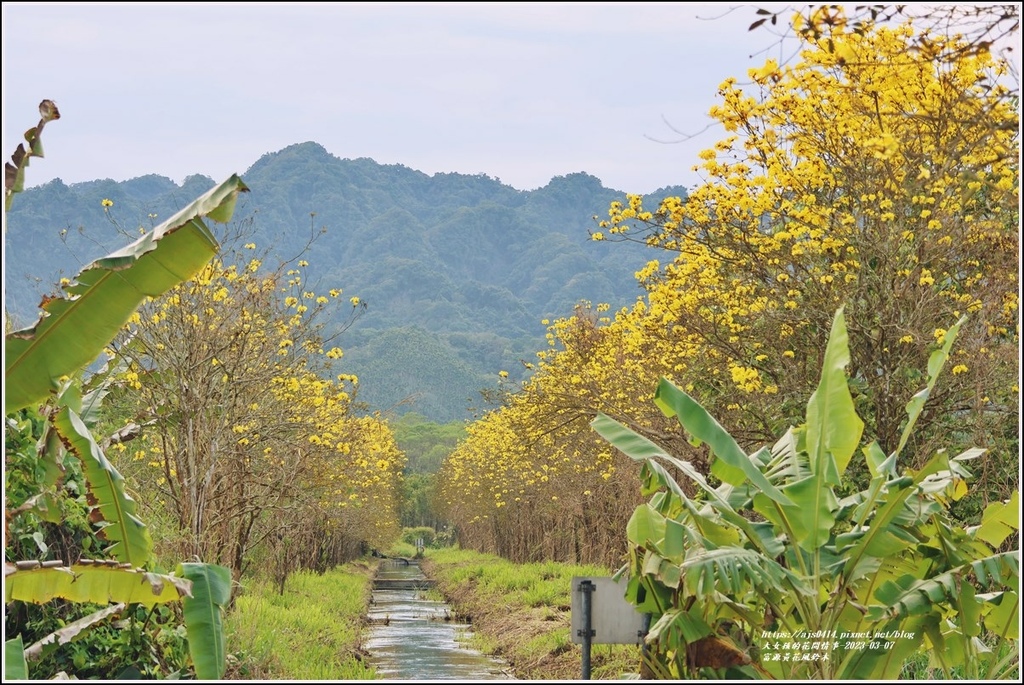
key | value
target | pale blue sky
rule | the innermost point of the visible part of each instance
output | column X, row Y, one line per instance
column 518, row 91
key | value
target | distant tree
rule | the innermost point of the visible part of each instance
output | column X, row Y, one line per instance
column 417, row 508
column 426, row 443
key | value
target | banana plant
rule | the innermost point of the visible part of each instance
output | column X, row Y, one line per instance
column 795, row 581
column 41, row 374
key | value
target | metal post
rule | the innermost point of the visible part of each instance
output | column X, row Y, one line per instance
column 645, row 649
column 586, row 587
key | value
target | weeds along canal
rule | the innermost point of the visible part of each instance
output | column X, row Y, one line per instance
column 412, row 636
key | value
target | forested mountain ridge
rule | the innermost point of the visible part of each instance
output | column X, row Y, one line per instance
column 457, row 270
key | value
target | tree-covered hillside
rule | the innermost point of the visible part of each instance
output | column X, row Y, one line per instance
column 457, row 271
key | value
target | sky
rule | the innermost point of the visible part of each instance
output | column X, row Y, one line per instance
column 521, row 92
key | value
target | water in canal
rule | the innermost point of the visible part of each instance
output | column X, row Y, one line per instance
column 412, row 637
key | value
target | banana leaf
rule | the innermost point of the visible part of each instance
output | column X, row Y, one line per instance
column 111, row 505
column 203, row 612
column 14, row 170
column 731, row 464
column 15, row 664
column 94, row 584
column 72, row 630
column 833, row 427
column 73, row 329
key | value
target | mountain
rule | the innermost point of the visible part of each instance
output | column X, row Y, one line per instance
column 457, row 270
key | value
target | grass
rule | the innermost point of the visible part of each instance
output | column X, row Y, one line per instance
column 922, row 667
column 311, row 632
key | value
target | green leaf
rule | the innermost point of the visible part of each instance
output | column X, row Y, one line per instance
column 810, row 516
column 921, row 596
column 131, row 539
column 632, row 444
column 1003, row 619
column 833, row 427
column 73, row 330
column 716, row 534
column 646, row 527
column 92, row 398
column 640, row 448
column 664, row 570
column 672, row 542
column 692, row 625
column 970, row 611
column 883, row 517
column 886, row 664
column 650, row 481
column 669, row 573
column 663, row 624
column 886, row 544
column 15, row 665
column 203, row 611
column 936, row 361
column 94, row 584
column 734, row 571
column 768, row 539
column 876, row 460
column 786, row 463
column 646, row 595
column 999, row 520
column 677, row 624
column 736, row 465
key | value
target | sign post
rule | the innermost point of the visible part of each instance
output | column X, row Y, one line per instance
column 601, row 615
column 586, row 633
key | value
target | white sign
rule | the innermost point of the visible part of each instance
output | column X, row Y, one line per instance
column 613, row 620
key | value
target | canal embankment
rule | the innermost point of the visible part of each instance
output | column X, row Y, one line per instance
column 522, row 612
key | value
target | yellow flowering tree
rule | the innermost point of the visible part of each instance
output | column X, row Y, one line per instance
column 860, row 175
column 531, row 480
column 244, row 428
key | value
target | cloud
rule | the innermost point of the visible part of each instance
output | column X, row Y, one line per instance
column 520, row 91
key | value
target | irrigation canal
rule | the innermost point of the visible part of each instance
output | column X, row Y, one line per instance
column 412, row 637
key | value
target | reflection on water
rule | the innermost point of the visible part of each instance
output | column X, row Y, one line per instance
column 415, row 638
